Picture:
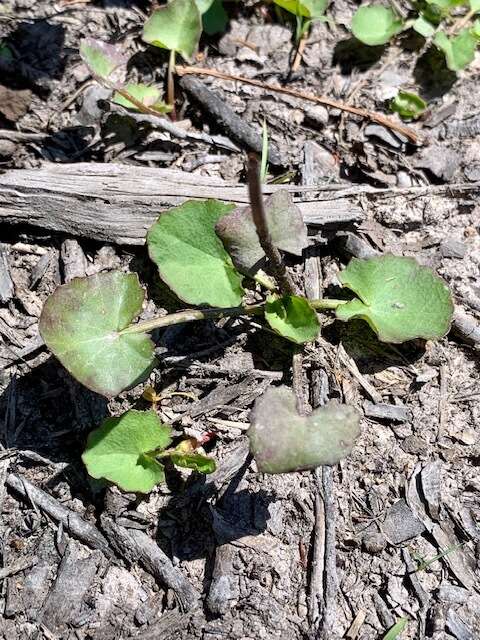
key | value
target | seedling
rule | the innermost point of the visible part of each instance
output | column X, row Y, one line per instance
column 455, row 37
column 206, row 251
column 408, row 105
column 305, row 11
column 128, row 450
column 178, row 26
column 108, row 65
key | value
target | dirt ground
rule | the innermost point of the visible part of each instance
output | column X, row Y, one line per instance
column 394, row 530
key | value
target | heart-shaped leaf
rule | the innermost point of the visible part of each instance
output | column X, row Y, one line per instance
column 305, row 8
column 375, row 25
column 191, row 258
column 177, row 26
column 408, row 105
column 399, row 299
column 459, row 51
column 196, row 461
column 281, row 440
column 105, row 61
column 147, row 95
column 123, row 450
column 285, row 223
column 81, row 323
column 292, row 317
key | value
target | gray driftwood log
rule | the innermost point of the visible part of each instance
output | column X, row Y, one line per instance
column 118, row 203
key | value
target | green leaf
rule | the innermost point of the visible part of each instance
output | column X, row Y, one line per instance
column 282, row 441
column 305, row 8
column 191, row 258
column 292, row 317
column 399, row 299
column 196, row 461
column 204, row 5
column 285, row 223
column 459, row 51
column 408, row 105
column 475, row 30
column 176, row 26
column 215, row 20
column 424, row 27
column 105, row 61
column 375, row 25
column 474, row 5
column 147, row 95
column 123, row 449
column 81, row 324
column 445, row 6
column 396, row 630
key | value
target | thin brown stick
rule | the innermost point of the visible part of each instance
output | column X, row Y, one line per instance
column 277, row 265
column 297, row 61
column 328, row 102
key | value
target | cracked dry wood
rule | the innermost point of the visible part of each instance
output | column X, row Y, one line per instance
column 118, row 203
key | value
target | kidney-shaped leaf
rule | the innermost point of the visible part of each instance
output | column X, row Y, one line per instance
column 400, row 299
column 176, row 26
column 105, row 61
column 190, row 257
column 123, row 449
column 305, row 8
column 285, row 223
column 281, row 440
column 81, row 324
column 292, row 317
column 375, row 25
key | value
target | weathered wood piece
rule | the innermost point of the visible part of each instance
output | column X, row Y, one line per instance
column 6, row 284
column 75, row 575
column 118, row 203
column 135, row 546
column 72, row 522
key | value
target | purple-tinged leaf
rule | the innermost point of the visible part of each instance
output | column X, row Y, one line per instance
column 239, row 236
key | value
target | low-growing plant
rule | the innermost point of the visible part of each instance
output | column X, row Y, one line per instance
column 108, row 65
column 177, row 27
column 305, row 12
column 206, row 251
column 438, row 21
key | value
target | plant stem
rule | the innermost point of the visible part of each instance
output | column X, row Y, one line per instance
column 171, row 82
column 259, row 218
column 191, row 315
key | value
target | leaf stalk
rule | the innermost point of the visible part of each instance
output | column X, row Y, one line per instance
column 191, row 315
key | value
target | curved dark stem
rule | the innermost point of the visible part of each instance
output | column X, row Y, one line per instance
column 277, row 266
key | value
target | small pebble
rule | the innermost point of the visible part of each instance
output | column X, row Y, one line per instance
column 374, row 542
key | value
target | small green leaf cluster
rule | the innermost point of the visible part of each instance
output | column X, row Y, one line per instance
column 108, row 65
column 375, row 24
column 127, row 451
